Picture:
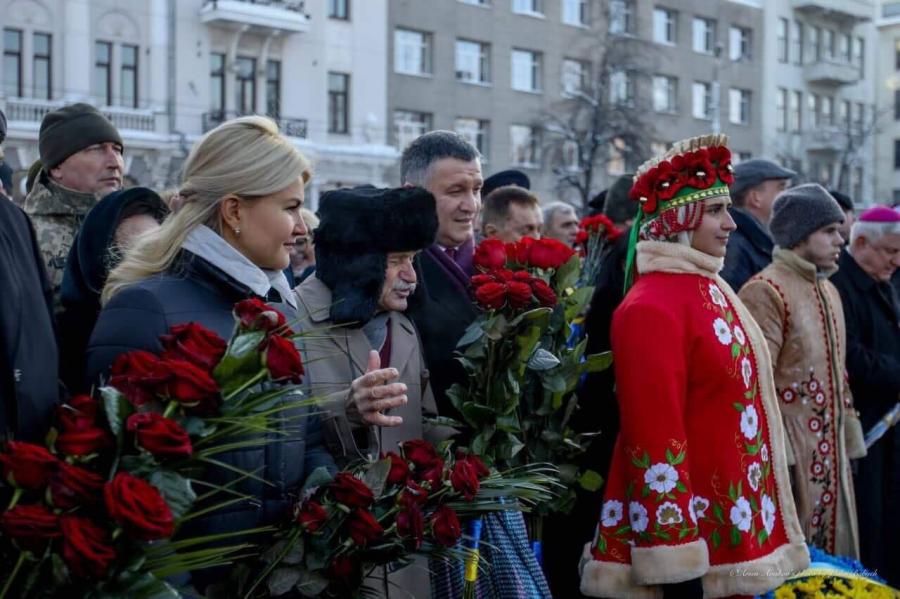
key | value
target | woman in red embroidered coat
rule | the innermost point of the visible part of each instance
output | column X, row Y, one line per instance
column 699, row 485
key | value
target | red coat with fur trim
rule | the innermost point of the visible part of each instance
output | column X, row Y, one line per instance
column 698, row 486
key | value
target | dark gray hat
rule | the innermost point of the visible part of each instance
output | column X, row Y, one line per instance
column 504, row 178
column 800, row 211
column 70, row 129
column 751, row 173
column 618, row 206
column 843, row 200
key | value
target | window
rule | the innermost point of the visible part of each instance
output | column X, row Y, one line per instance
column 408, row 125
column 128, row 80
column 615, row 166
column 523, row 143
column 739, row 106
column 621, row 88
column 826, row 111
column 473, row 60
column 339, row 9
column 897, row 54
column 664, row 24
column 475, row 131
column 273, row 88
column 12, row 62
column 844, row 114
column 739, row 43
column 574, row 75
column 844, row 47
column 897, row 104
column 827, row 44
column 528, row 7
column 103, row 72
column 245, row 85
column 665, row 93
column 704, row 35
column 621, row 17
column 812, row 109
column 575, row 12
column 739, row 157
column 781, row 109
column 782, row 40
column 477, row 2
column 702, row 100
column 526, row 70
column 859, row 113
column 897, row 154
column 812, row 43
column 797, row 42
column 859, row 54
column 412, row 52
column 338, row 104
column 658, row 148
column 41, row 63
column 795, row 111
column 217, row 81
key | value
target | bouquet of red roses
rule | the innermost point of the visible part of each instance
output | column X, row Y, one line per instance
column 89, row 512
column 380, row 513
column 595, row 234
column 522, row 371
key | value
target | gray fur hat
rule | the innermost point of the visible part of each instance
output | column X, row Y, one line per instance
column 800, row 211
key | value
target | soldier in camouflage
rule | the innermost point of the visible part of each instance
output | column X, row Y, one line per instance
column 81, row 161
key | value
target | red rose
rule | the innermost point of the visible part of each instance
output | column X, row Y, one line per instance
column 420, row 452
column 399, row 469
column 138, row 374
column 32, row 526
column 312, row 516
column 581, row 238
column 71, row 487
column 255, row 315
column 194, row 343
column 503, row 275
column 161, row 436
column 138, row 507
column 344, row 571
column 433, row 475
column 478, row 280
column 351, row 491
column 411, row 524
column 27, row 465
column 283, row 360
column 464, row 479
column 79, row 433
column 490, row 254
column 363, row 527
column 445, row 526
column 481, row 471
column 519, row 294
column 413, row 491
column 192, row 387
column 491, row 296
column 87, row 548
column 549, row 253
column 543, row 292
column 518, row 252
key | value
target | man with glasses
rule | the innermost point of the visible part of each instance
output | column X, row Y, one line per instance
column 872, row 313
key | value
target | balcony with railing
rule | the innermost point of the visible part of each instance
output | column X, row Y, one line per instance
column 828, row 138
column 831, row 72
column 31, row 110
column 264, row 16
column 289, row 126
column 850, row 11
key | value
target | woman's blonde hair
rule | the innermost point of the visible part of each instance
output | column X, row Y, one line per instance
column 246, row 157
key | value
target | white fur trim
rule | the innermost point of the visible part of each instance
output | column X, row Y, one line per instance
column 610, row 579
column 757, row 576
column 666, row 564
column 664, row 256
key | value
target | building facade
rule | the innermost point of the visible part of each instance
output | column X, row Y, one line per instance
column 166, row 71
column 887, row 149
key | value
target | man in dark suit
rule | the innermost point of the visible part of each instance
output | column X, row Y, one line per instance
column 449, row 167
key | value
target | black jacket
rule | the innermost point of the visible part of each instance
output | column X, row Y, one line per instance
column 28, row 353
column 749, row 250
column 196, row 291
column 872, row 314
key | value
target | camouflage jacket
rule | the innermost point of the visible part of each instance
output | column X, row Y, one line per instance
column 57, row 213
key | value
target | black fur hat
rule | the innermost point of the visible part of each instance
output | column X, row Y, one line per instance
column 358, row 227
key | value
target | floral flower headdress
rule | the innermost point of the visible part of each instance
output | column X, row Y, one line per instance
column 694, row 169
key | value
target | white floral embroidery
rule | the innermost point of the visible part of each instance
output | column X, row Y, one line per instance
column 749, row 422
column 723, row 331
column 764, row 453
column 739, row 335
column 718, row 298
column 768, row 513
column 669, row 513
column 637, row 515
column 661, row 477
column 741, row 514
column 697, row 507
column 746, row 371
column 612, row 512
column 754, row 475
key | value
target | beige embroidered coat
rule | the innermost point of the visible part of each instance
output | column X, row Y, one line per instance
column 800, row 314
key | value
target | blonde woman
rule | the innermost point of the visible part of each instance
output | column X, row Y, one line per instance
column 237, row 218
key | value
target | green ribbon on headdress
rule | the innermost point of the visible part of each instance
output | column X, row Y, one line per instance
column 632, row 248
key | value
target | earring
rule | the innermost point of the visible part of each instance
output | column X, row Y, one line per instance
column 237, row 231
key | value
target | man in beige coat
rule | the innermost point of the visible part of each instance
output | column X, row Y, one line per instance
column 361, row 353
column 800, row 313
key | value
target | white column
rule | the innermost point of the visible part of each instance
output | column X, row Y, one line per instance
column 154, row 88
column 78, row 55
column 28, row 63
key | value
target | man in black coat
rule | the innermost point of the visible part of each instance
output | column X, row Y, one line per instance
column 756, row 184
column 872, row 313
column 449, row 167
column 28, row 352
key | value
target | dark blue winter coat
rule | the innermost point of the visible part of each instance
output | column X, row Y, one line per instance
column 749, row 250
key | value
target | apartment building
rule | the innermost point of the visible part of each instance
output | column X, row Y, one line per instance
column 887, row 89
column 166, row 71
